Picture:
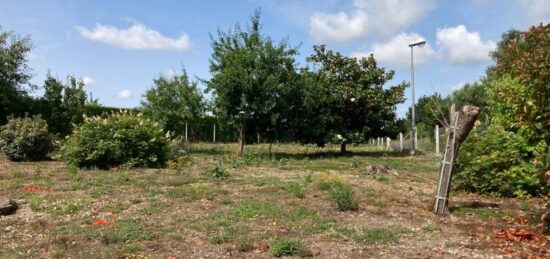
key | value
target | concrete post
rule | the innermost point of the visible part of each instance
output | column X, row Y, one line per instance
column 214, row 134
column 400, row 141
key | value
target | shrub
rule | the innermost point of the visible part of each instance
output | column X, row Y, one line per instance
column 502, row 163
column 218, row 173
column 122, row 138
column 338, row 190
column 343, row 195
column 25, row 139
column 289, row 247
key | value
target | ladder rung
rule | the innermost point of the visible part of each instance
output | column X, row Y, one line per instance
column 446, row 162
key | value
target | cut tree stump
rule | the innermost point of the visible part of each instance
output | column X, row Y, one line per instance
column 461, row 125
column 7, row 207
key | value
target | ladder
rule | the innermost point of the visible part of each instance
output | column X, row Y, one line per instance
column 441, row 197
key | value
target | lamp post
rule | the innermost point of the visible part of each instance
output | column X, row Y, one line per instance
column 418, row 43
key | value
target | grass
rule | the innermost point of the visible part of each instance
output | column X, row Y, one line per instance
column 372, row 236
column 223, row 205
column 483, row 213
column 289, row 247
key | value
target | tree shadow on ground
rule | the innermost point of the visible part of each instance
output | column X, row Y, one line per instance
column 302, row 155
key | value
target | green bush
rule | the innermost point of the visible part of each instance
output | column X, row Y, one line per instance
column 25, row 138
column 123, row 138
column 502, row 163
column 289, row 247
column 343, row 196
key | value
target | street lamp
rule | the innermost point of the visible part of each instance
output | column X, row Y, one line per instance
column 418, row 43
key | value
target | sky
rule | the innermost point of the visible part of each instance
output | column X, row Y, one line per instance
column 118, row 47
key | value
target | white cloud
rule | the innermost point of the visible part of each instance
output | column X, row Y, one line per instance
column 396, row 51
column 88, row 81
column 124, row 94
column 385, row 17
column 538, row 10
column 137, row 37
column 463, row 47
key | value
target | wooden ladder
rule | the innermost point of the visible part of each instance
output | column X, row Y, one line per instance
column 441, row 197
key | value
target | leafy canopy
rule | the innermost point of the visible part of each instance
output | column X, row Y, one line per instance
column 174, row 101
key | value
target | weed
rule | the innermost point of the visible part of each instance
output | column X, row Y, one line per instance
column 296, row 189
column 36, row 202
column 344, row 196
column 218, row 173
column 326, row 181
column 432, row 228
column 382, row 179
column 289, row 247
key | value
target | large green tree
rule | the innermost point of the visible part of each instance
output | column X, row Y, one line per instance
column 174, row 101
column 14, row 74
column 63, row 105
column 346, row 97
column 510, row 155
column 252, row 79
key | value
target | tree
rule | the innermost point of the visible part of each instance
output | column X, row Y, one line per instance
column 63, row 105
column 14, row 74
column 510, row 155
column 526, row 56
column 349, row 97
column 472, row 94
column 430, row 110
column 174, row 101
column 252, row 79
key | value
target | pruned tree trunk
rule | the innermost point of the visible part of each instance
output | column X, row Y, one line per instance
column 464, row 124
column 7, row 207
column 242, row 140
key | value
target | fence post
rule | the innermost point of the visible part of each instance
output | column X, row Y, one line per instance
column 186, row 139
column 388, row 143
column 214, row 134
column 436, row 134
column 400, row 141
column 258, row 137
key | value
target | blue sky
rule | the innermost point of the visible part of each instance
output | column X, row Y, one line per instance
column 118, row 47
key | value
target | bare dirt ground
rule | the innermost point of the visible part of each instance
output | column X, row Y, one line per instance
column 184, row 212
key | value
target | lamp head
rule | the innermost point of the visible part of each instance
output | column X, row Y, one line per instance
column 418, row 43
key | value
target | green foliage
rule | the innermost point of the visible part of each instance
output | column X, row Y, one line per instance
column 296, row 189
column 289, row 247
column 430, row 110
column 501, row 162
column 343, row 196
column 218, row 173
column 346, row 96
column 14, row 75
column 117, row 139
column 525, row 56
column 339, row 191
column 174, row 101
column 472, row 94
column 63, row 105
column 25, row 139
column 507, row 158
column 253, row 80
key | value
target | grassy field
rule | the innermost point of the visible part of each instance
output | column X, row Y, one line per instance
column 299, row 201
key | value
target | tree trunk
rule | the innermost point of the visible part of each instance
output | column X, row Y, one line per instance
column 242, row 140
column 270, row 143
column 465, row 123
column 343, row 148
